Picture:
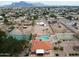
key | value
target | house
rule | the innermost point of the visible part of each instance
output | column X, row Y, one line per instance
column 1, row 18
column 40, row 48
column 41, row 24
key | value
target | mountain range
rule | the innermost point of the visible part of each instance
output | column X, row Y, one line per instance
column 24, row 4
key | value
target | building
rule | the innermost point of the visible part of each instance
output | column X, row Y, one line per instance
column 40, row 48
column 18, row 34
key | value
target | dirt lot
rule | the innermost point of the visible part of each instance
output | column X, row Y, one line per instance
column 59, row 28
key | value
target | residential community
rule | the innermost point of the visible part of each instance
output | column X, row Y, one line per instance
column 39, row 31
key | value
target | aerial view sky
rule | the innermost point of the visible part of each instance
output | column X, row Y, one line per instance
column 46, row 2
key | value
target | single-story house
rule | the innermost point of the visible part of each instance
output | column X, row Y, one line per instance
column 40, row 47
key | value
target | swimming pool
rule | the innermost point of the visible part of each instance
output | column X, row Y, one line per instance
column 44, row 37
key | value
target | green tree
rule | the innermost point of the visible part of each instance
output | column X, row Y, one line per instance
column 55, row 48
column 33, row 22
column 61, row 48
column 69, row 17
column 2, row 33
column 53, row 15
column 5, row 21
column 30, row 36
column 11, row 45
column 35, row 17
column 3, row 15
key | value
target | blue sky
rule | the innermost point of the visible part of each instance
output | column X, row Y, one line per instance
column 50, row 3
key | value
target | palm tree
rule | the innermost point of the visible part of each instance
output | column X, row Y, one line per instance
column 59, row 41
column 55, row 48
column 57, row 54
column 61, row 48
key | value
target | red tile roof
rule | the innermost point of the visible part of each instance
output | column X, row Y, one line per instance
column 37, row 44
column 35, row 41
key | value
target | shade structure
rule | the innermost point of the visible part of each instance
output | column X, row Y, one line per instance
column 40, row 51
column 18, row 34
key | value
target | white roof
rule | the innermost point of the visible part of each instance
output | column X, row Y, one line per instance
column 40, row 51
column 1, row 17
column 41, row 22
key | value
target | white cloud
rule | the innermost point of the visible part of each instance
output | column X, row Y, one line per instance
column 74, row 3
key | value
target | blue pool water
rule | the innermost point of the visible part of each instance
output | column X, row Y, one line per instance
column 44, row 37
